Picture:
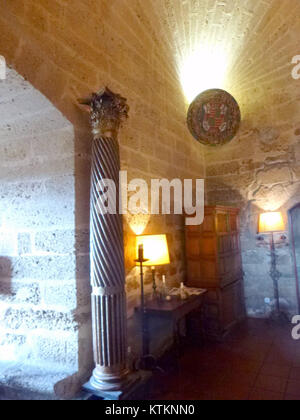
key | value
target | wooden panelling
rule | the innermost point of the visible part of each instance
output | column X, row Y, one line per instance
column 214, row 263
column 223, row 308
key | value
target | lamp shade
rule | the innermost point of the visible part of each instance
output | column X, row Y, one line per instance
column 155, row 249
column 271, row 222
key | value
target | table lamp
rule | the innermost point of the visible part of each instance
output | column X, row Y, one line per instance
column 270, row 223
column 151, row 250
column 156, row 252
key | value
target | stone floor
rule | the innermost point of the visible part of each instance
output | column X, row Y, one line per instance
column 259, row 361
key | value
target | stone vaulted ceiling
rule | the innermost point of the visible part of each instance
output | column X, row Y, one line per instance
column 244, row 46
column 247, row 45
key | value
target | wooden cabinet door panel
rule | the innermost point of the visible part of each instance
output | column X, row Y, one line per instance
column 214, row 263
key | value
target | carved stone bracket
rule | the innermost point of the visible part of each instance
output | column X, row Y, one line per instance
column 107, row 111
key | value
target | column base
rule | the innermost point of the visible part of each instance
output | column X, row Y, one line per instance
column 133, row 386
column 107, row 380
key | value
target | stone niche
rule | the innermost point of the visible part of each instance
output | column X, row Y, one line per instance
column 45, row 332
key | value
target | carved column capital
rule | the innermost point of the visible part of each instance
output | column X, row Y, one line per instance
column 107, row 111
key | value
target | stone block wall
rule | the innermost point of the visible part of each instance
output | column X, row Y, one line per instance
column 44, row 271
column 257, row 182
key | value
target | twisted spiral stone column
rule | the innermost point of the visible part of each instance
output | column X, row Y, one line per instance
column 106, row 245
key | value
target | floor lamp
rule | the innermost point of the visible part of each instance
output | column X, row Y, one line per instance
column 270, row 223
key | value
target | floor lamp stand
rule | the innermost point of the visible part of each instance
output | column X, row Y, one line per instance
column 277, row 314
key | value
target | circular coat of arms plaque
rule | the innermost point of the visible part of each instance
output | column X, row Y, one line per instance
column 214, row 117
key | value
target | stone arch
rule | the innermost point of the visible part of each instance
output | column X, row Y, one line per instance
column 44, row 273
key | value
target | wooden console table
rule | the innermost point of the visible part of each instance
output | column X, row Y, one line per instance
column 176, row 310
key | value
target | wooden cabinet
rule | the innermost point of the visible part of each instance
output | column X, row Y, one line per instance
column 214, row 262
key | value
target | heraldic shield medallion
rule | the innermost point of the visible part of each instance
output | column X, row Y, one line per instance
column 214, row 117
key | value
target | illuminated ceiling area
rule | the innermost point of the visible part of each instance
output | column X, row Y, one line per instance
column 245, row 47
column 242, row 46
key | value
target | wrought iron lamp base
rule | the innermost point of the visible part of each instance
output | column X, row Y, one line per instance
column 279, row 317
